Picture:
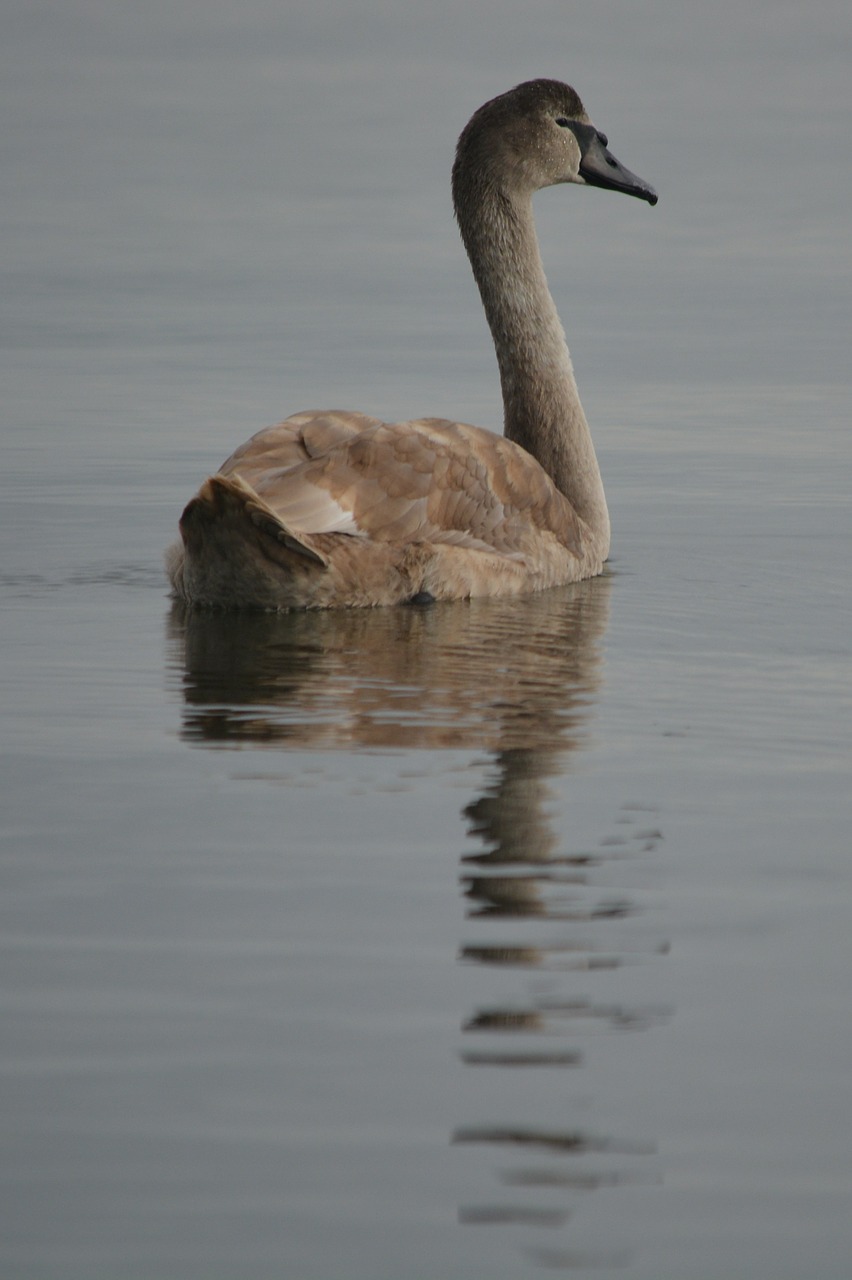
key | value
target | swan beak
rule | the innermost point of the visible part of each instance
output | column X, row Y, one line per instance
column 599, row 167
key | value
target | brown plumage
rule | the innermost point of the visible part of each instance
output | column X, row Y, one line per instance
column 338, row 509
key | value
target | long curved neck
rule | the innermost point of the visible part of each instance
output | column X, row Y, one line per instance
column 541, row 403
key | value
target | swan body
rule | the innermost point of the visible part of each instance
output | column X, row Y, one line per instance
column 333, row 508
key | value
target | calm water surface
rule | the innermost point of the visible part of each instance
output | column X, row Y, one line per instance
column 478, row 940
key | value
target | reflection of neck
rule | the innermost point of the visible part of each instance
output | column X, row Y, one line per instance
column 509, row 817
column 542, row 408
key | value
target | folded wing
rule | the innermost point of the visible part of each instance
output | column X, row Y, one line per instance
column 423, row 481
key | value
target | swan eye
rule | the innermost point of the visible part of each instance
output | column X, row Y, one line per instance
column 602, row 138
column 563, row 123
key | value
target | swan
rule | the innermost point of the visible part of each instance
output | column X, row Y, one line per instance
column 339, row 509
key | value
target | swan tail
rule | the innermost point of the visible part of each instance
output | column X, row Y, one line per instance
column 236, row 552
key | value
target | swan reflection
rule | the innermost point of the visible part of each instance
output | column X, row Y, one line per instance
column 517, row 681
column 509, row 677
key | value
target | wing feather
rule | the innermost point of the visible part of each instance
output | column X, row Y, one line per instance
column 427, row 480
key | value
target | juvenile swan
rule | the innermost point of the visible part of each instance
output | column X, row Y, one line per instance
column 338, row 509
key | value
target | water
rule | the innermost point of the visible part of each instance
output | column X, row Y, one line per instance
column 481, row 940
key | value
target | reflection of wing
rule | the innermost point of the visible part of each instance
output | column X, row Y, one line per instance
column 490, row 675
column 389, row 510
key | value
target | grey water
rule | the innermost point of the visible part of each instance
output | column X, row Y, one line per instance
column 488, row 939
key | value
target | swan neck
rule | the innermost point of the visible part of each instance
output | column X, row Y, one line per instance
column 541, row 403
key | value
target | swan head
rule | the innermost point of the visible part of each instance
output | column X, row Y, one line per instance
column 537, row 135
